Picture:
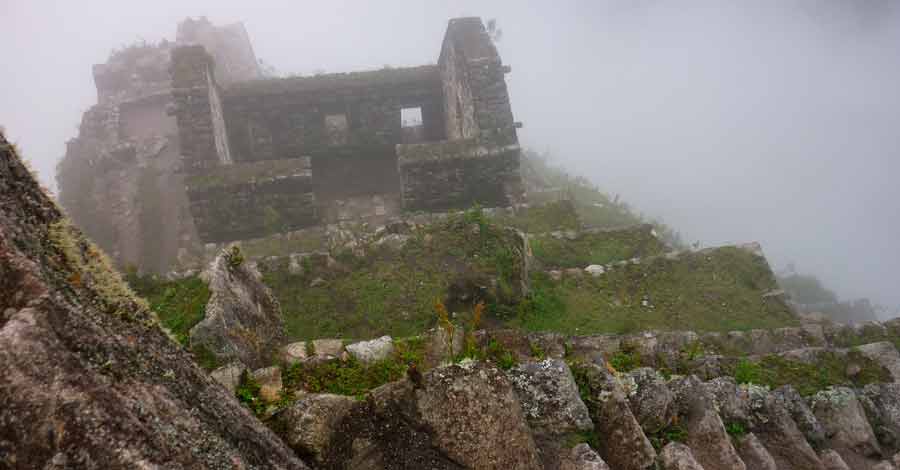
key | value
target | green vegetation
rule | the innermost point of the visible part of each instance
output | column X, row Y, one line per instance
column 596, row 248
column 351, row 377
column 499, row 355
column 715, row 290
column 393, row 291
column 247, row 393
column 234, row 258
column 672, row 433
column 87, row 267
column 625, row 360
column 829, row 369
column 735, row 429
column 179, row 304
column 553, row 215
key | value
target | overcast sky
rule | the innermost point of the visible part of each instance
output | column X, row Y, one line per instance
column 775, row 121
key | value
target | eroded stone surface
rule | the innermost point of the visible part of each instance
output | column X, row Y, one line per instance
column 846, row 428
column 371, row 351
column 624, row 445
column 549, row 397
column 677, row 456
column 706, row 433
column 309, row 424
column 754, row 454
column 229, row 375
column 243, row 320
column 89, row 378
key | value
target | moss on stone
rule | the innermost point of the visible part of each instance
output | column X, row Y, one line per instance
column 89, row 267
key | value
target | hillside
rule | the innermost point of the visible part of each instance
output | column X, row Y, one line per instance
column 527, row 264
column 520, row 343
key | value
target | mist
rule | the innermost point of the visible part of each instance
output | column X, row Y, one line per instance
column 770, row 121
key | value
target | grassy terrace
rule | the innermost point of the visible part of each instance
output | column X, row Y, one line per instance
column 458, row 261
column 718, row 290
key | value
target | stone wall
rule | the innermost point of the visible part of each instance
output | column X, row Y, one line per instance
column 194, row 93
column 475, row 94
column 251, row 200
column 119, row 178
column 459, row 173
column 316, row 116
column 229, row 44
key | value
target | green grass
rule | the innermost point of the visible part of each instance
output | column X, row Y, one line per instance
column 247, row 393
column 179, row 304
column 596, row 248
column 351, row 377
column 393, row 292
column 829, row 369
column 718, row 290
column 546, row 217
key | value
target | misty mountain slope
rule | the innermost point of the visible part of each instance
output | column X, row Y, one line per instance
column 89, row 380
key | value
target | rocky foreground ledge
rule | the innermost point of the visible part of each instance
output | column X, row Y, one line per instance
column 811, row 397
column 87, row 378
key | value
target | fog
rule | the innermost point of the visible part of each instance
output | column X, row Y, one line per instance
column 763, row 120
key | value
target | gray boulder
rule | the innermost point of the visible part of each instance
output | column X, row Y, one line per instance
column 471, row 399
column 706, row 433
column 549, row 397
column 884, row 354
column 766, row 415
column 310, row 423
column 773, row 424
column 294, row 353
column 624, row 445
column 327, row 348
column 650, row 399
column 243, row 319
column 677, row 456
column 582, row 457
column 802, row 415
column 754, row 454
column 832, row 460
column 882, row 405
column 371, row 351
column 846, row 428
column 229, row 375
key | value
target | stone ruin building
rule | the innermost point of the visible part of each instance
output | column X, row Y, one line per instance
column 190, row 144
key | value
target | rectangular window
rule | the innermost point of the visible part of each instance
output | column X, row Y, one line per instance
column 411, row 117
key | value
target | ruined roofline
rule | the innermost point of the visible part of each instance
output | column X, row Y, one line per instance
column 401, row 76
column 468, row 35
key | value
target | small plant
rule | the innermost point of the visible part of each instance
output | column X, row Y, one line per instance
column 537, row 351
column 310, row 349
column 445, row 323
column 474, row 324
column 247, row 392
column 499, row 355
column 234, row 258
column 625, row 360
column 735, row 429
column 747, row 371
